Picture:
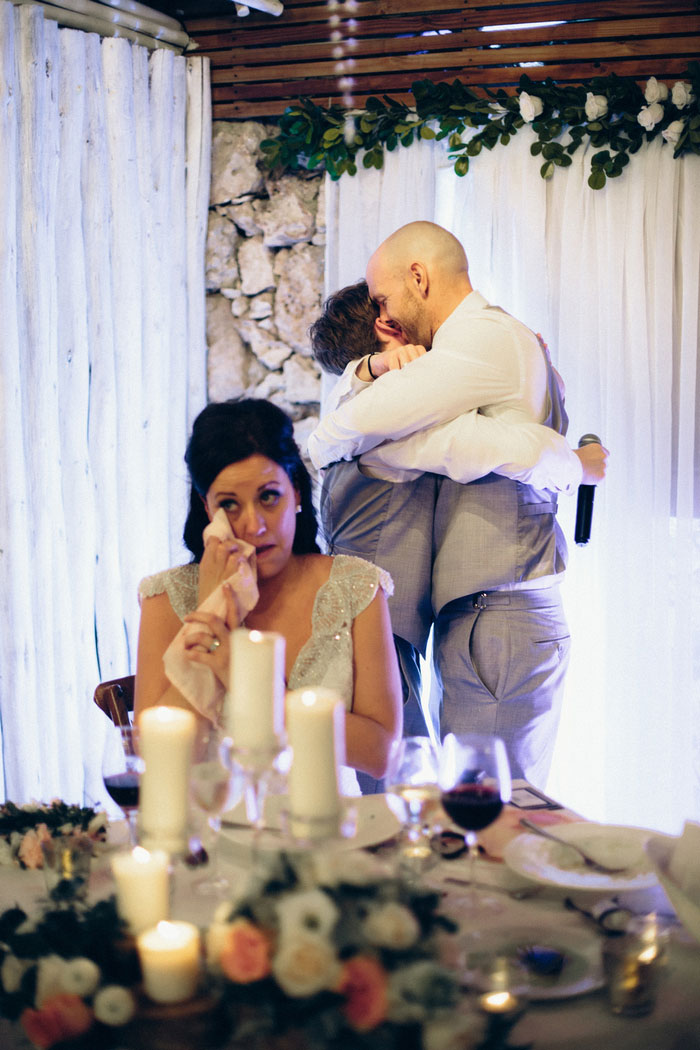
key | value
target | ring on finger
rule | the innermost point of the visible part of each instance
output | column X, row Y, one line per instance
column 215, row 643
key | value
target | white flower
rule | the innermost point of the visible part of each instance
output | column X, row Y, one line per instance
column 305, row 965
column 12, row 972
column 214, row 941
column 596, row 106
column 682, row 94
column 114, row 1005
column 649, row 116
column 311, row 911
column 30, row 807
column 673, row 132
column 656, row 90
column 49, row 979
column 391, row 926
column 80, row 976
column 530, row 106
column 98, row 823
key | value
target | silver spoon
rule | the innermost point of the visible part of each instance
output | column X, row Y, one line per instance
column 594, row 865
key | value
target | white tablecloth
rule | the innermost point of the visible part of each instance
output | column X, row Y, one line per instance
column 581, row 1023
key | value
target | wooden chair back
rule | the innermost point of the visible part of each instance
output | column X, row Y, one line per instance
column 116, row 699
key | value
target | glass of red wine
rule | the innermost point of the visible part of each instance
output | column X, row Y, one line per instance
column 121, row 773
column 475, row 783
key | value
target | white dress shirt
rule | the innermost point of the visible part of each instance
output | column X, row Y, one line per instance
column 470, row 406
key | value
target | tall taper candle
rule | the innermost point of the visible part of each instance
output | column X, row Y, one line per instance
column 254, row 706
column 166, row 739
column 316, row 733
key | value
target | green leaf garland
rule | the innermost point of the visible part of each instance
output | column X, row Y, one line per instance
column 611, row 112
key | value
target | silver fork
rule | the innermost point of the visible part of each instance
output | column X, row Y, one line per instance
column 594, row 865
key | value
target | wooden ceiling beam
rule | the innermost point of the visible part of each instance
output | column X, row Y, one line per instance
column 588, row 31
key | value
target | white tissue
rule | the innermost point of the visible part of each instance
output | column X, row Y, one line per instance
column 197, row 683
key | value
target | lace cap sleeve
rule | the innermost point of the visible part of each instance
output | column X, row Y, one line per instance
column 358, row 580
column 180, row 585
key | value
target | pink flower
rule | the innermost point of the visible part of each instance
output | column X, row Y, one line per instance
column 61, row 1017
column 364, row 983
column 245, row 955
column 30, row 853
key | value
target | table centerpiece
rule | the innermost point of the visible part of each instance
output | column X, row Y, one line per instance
column 316, row 949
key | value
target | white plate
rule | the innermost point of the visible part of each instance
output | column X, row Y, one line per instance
column 554, row 865
column 582, row 971
column 375, row 822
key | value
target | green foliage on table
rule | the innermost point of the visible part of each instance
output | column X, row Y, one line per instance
column 94, row 932
column 312, row 137
column 55, row 815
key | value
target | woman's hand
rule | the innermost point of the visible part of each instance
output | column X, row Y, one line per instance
column 207, row 640
column 220, row 560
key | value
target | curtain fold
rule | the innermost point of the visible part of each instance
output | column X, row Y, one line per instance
column 100, row 214
column 611, row 279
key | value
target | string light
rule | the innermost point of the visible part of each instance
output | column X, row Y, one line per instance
column 341, row 45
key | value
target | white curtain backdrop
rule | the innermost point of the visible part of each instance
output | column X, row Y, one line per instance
column 611, row 279
column 104, row 179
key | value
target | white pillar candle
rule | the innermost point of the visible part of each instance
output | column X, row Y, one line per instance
column 166, row 739
column 143, row 887
column 170, row 961
column 254, row 706
column 316, row 733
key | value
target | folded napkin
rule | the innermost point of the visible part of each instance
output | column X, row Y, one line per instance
column 197, row 683
column 684, row 866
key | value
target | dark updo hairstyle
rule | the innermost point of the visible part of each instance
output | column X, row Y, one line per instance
column 230, row 431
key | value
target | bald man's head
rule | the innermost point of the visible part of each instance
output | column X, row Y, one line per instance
column 417, row 277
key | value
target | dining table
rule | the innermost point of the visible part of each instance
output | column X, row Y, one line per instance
column 577, row 1017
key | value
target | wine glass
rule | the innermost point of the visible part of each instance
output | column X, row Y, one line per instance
column 121, row 772
column 413, row 793
column 211, row 780
column 475, row 781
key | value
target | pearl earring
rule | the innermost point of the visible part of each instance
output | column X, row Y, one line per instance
column 298, row 508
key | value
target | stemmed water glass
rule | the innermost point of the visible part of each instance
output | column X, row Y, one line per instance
column 121, row 772
column 475, row 781
column 413, row 793
column 211, row 782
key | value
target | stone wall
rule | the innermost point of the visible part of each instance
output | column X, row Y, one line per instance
column 264, row 273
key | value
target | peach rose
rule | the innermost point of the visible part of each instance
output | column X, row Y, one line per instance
column 364, row 984
column 245, row 955
column 60, row 1018
column 30, row 852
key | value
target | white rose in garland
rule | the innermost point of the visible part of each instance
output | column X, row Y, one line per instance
column 596, row 106
column 673, row 132
column 656, row 90
column 530, row 106
column 682, row 95
column 649, row 116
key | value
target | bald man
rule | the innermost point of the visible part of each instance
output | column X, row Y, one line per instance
column 501, row 639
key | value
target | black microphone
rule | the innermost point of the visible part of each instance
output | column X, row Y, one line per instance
column 584, row 505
